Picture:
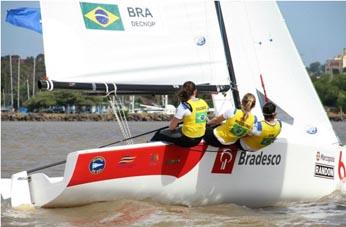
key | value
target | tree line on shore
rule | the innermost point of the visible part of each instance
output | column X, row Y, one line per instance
column 332, row 90
column 24, row 73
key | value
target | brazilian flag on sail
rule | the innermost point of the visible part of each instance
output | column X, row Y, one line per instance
column 101, row 16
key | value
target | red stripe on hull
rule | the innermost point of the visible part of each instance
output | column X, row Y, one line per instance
column 156, row 160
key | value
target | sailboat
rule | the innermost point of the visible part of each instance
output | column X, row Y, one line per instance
column 151, row 47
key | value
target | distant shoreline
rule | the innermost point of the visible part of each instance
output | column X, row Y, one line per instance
column 336, row 116
column 14, row 116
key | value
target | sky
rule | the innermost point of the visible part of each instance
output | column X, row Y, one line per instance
column 318, row 29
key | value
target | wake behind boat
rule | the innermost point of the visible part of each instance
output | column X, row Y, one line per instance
column 146, row 47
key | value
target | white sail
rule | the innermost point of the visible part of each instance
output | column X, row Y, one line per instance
column 260, row 44
column 133, row 42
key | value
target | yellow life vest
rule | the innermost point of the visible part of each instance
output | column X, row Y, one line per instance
column 267, row 136
column 234, row 128
column 194, row 124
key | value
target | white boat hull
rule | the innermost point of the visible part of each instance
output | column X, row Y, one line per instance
column 173, row 175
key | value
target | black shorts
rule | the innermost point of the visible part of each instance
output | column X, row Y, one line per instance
column 210, row 138
column 176, row 137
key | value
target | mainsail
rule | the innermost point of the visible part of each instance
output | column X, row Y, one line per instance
column 133, row 42
column 166, row 43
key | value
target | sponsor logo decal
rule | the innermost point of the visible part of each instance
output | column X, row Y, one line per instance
column 200, row 41
column 341, row 168
column 101, row 16
column 224, row 161
column 247, row 158
column 140, row 17
column 311, row 130
column 318, row 156
column 126, row 159
column 324, row 171
column 322, row 157
column 173, row 161
column 154, row 158
column 97, row 165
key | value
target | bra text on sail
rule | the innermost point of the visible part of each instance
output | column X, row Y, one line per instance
column 141, row 14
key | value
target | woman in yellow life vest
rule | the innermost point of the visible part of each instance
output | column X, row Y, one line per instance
column 239, row 122
column 192, row 112
column 264, row 132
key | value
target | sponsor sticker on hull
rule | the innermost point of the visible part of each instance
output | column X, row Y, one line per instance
column 97, row 165
column 324, row 171
column 250, row 158
column 126, row 159
column 167, row 160
column 320, row 157
column 224, row 161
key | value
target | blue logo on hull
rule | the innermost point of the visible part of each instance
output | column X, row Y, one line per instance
column 97, row 165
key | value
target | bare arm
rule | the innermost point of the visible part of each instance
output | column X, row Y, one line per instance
column 216, row 120
column 174, row 123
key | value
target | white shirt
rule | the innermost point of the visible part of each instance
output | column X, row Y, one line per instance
column 229, row 113
column 183, row 111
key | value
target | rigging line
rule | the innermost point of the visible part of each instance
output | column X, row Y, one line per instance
column 127, row 125
column 119, row 107
column 124, row 120
column 124, row 116
column 264, row 89
column 111, row 100
column 206, row 150
column 116, row 106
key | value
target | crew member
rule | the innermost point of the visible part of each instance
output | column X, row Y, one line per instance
column 238, row 123
column 264, row 132
column 192, row 112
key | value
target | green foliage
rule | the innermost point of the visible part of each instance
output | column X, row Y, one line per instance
column 315, row 68
column 41, row 100
column 61, row 98
column 341, row 101
column 26, row 77
column 331, row 90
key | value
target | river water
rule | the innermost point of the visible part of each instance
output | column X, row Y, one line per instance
column 26, row 145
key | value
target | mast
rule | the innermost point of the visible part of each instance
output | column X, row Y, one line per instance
column 3, row 94
column 132, row 104
column 27, row 88
column 228, row 55
column 33, row 77
column 18, row 84
column 11, row 82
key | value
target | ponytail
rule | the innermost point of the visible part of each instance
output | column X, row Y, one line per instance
column 247, row 103
column 186, row 91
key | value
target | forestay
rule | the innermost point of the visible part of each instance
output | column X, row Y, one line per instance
column 133, row 42
column 260, row 43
